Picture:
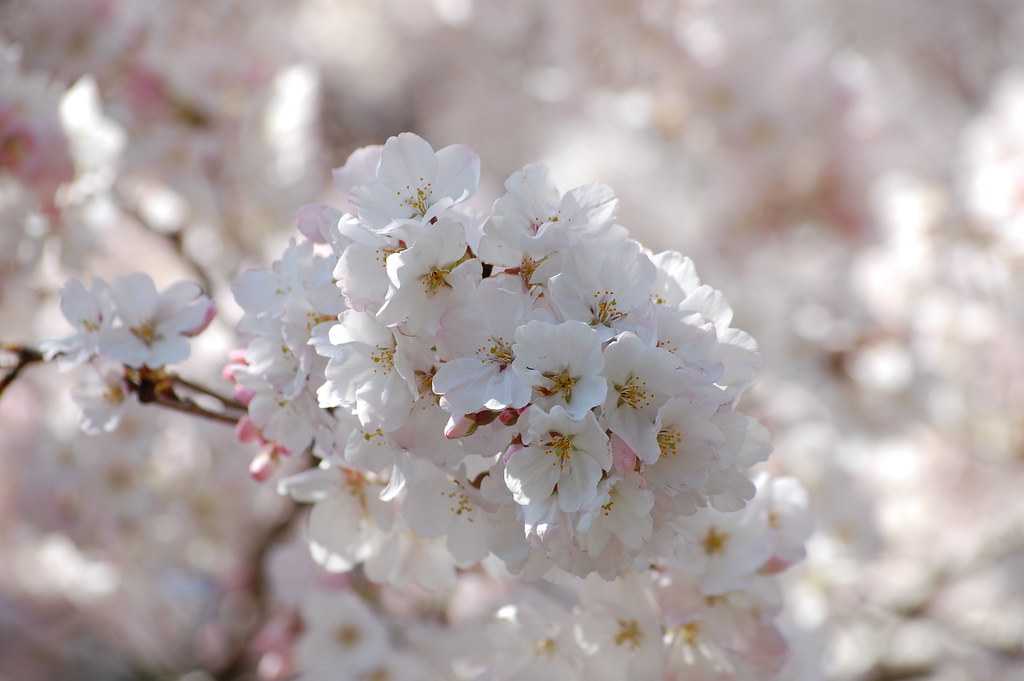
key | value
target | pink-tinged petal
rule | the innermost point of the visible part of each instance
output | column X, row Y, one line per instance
column 246, row 430
column 315, row 221
column 360, row 168
column 623, row 458
column 407, row 158
column 769, row 650
column 176, row 298
column 458, row 172
column 263, row 466
column 209, row 313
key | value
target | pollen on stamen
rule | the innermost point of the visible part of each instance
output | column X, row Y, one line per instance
column 669, row 441
column 434, row 280
column 629, row 634
column 634, row 395
column 561, row 382
column 145, row 332
column 561, row 447
column 714, row 541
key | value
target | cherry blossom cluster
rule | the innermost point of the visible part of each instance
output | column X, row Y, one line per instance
column 531, row 383
column 126, row 333
column 529, row 391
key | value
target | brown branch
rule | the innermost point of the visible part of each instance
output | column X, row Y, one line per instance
column 188, row 407
column 195, row 387
column 25, row 356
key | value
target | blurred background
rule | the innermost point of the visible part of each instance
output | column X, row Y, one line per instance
column 849, row 174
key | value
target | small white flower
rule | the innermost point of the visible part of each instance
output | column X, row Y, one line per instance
column 562, row 363
column 429, row 278
column 724, row 549
column 533, row 219
column 349, row 522
column 621, row 510
column 606, row 287
column 154, row 327
column 91, row 313
column 412, row 181
column 340, row 632
column 101, row 393
column 563, row 452
column 363, row 373
column 641, row 379
column 476, row 340
column 439, row 505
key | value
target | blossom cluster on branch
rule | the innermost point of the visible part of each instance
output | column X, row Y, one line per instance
column 529, row 393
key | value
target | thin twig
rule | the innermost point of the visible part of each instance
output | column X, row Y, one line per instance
column 189, row 407
column 25, row 357
column 226, row 401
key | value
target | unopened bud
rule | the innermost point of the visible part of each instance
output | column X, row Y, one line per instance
column 510, row 416
column 263, row 465
column 246, row 430
column 485, row 417
column 244, row 395
column 459, row 426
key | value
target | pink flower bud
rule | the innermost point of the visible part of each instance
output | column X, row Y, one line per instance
column 275, row 666
column 459, row 426
column 510, row 416
column 512, row 449
column 211, row 312
column 774, row 565
column 244, row 395
column 485, row 417
column 246, row 430
column 263, row 465
column 623, row 457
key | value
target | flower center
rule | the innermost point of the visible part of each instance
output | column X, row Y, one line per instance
column 434, row 280
column 605, row 309
column 419, row 199
column 544, row 647
column 499, row 353
column 561, row 382
column 561, row 447
column 633, row 394
column 146, row 332
column 347, row 636
column 460, row 502
column 13, row 149
column 629, row 634
column 668, row 441
column 385, row 357
column 714, row 541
